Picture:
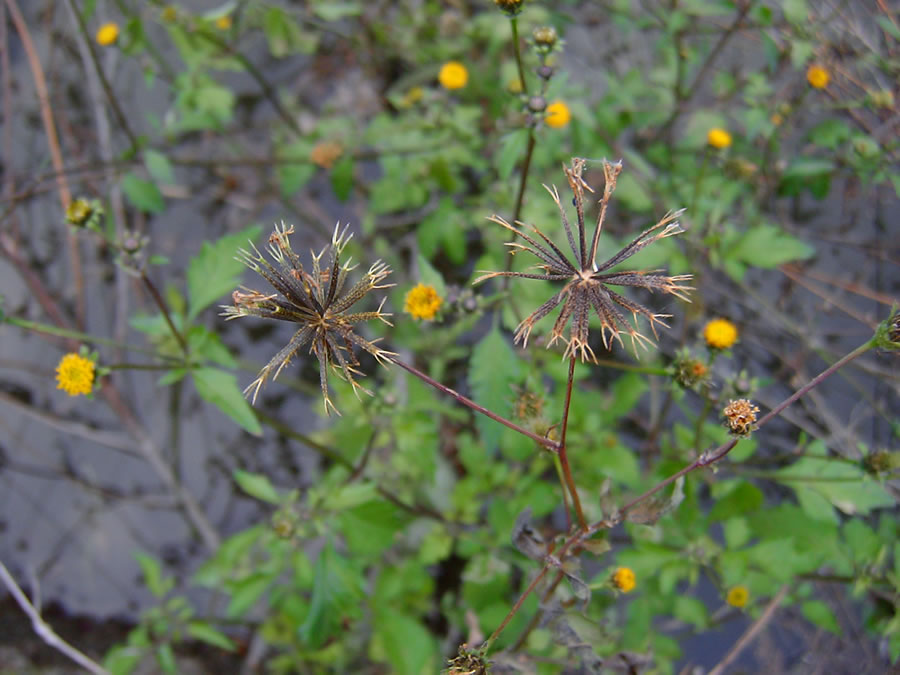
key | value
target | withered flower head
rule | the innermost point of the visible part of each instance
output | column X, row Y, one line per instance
column 587, row 283
column 740, row 417
column 315, row 299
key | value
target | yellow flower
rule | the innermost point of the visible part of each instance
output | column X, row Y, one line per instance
column 223, row 22
column 169, row 14
column 718, row 138
column 558, row 115
column 75, row 374
column 817, row 77
column 623, row 579
column 720, row 333
column 453, row 75
column 738, row 596
column 107, row 34
column 422, row 302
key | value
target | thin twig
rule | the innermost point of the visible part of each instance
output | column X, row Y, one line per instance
column 751, row 632
column 563, row 456
column 43, row 629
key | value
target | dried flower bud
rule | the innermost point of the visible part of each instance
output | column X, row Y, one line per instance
column 468, row 662
column 740, row 416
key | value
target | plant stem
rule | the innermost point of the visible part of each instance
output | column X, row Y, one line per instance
column 516, row 607
column 517, row 50
column 164, row 309
column 563, row 455
column 542, row 440
column 50, row 329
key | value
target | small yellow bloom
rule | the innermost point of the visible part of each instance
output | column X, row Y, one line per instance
column 411, row 97
column 453, row 75
column 107, row 34
column 223, row 22
column 776, row 119
column 738, row 596
column 720, row 333
column 169, row 14
column 623, row 579
column 718, row 138
column 422, row 302
column 75, row 374
column 817, row 77
column 558, row 115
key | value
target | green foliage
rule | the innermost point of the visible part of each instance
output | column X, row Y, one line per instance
column 422, row 523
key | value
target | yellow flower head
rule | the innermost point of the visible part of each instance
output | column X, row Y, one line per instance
column 223, row 22
column 720, row 333
column 718, row 138
column 422, row 302
column 453, row 75
column 326, row 153
column 623, row 579
column 817, row 77
column 558, row 115
column 107, row 34
column 75, row 374
column 738, row 596
column 169, row 14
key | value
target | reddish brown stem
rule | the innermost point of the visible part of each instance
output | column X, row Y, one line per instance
column 542, row 440
column 563, row 455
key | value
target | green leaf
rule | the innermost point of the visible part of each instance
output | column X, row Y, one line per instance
column 204, row 632
column 845, row 486
column 208, row 345
column 493, row 369
column 808, row 167
column 122, row 660
column 820, row 614
column 214, row 272
column 165, row 657
column 342, row 177
column 691, row 610
column 407, row 644
column 512, row 151
column 142, row 194
column 245, row 593
column 795, row 11
column 370, row 528
column 256, row 485
column 745, row 498
column 337, row 590
column 159, row 167
column 767, row 246
column 221, row 389
column 157, row 584
column 294, row 175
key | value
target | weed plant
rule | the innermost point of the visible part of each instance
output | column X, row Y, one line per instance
column 581, row 454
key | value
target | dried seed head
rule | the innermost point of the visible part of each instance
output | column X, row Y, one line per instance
column 317, row 299
column 740, row 417
column 587, row 290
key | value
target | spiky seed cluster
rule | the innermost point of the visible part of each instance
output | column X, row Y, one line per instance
column 587, row 283
column 740, row 416
column 315, row 299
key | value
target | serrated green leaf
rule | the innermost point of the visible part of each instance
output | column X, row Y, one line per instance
column 493, row 369
column 221, row 389
column 214, row 272
column 256, row 485
column 337, row 590
column 142, row 194
column 408, row 645
column 370, row 528
column 204, row 632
